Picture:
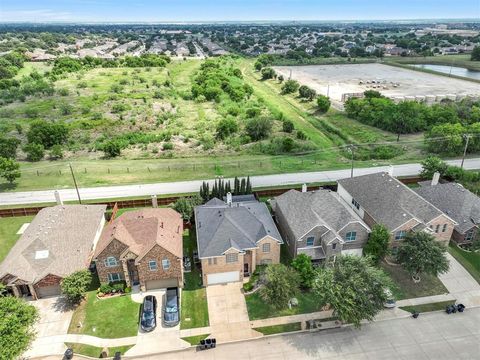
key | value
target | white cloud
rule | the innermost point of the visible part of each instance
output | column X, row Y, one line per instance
column 39, row 15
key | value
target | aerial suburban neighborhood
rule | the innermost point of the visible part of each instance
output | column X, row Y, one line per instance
column 239, row 180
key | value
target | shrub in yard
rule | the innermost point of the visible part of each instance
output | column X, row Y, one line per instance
column 112, row 148
column 35, row 152
column 377, row 244
column 288, row 126
column 290, row 86
column 47, row 133
column 76, row 285
column 306, row 93
column 301, row 135
column 303, row 264
column 258, row 128
column 323, row 103
column 56, row 152
column 9, row 169
column 268, row 73
column 281, row 284
column 167, row 146
column 226, row 127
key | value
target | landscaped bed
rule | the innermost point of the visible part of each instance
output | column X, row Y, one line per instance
column 406, row 288
column 116, row 317
column 258, row 309
column 96, row 352
column 469, row 260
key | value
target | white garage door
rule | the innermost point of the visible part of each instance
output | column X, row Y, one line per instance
column 161, row 284
column 357, row 252
column 225, row 277
column 52, row 290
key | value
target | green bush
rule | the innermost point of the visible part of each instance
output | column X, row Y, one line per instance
column 323, row 103
column 288, row 126
column 258, row 128
column 167, row 146
column 35, row 152
column 290, row 87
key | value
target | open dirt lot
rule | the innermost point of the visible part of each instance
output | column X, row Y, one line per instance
column 341, row 79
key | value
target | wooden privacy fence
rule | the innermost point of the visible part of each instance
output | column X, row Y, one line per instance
column 147, row 202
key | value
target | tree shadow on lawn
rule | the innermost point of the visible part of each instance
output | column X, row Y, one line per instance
column 8, row 186
column 63, row 305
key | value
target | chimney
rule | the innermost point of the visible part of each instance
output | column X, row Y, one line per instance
column 304, row 188
column 436, row 177
column 390, row 170
column 154, row 201
column 229, row 199
column 58, row 199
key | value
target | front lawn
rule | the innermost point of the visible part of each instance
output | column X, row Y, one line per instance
column 8, row 232
column 258, row 309
column 278, row 329
column 405, row 288
column 194, row 310
column 95, row 352
column 469, row 260
column 108, row 318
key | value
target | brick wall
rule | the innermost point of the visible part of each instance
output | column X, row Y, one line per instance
column 273, row 255
column 442, row 236
column 361, row 239
column 48, row 280
column 222, row 266
column 115, row 248
column 158, row 253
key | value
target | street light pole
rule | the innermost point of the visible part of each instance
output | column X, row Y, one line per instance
column 352, row 149
column 467, row 138
column 75, row 182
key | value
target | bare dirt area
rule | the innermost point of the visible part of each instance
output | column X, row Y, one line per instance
column 393, row 82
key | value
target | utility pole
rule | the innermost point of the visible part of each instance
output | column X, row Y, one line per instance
column 75, row 182
column 467, row 138
column 352, row 149
column 328, row 90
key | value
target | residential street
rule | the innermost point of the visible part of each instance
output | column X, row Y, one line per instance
column 105, row 192
column 434, row 336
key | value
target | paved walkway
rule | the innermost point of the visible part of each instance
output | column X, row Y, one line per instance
column 426, row 300
column 461, row 284
column 228, row 313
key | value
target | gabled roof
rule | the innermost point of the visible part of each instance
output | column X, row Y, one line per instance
column 305, row 210
column 141, row 230
column 388, row 201
column 454, row 200
column 59, row 241
column 221, row 227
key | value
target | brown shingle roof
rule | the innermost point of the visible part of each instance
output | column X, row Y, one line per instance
column 58, row 241
column 140, row 230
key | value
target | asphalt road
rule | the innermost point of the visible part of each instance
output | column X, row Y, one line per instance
column 106, row 192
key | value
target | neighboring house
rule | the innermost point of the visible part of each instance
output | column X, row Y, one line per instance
column 234, row 237
column 59, row 241
column 381, row 199
column 458, row 203
column 142, row 247
column 319, row 224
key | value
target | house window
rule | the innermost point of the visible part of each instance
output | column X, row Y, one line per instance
column 212, row 261
column 356, row 204
column 110, row 261
column 112, row 277
column 231, row 258
column 351, row 236
column 266, row 261
column 334, row 246
column 400, row 235
column 310, row 240
column 165, row 264
column 469, row 235
column 266, row 248
column 152, row 264
column 437, row 228
column 444, row 228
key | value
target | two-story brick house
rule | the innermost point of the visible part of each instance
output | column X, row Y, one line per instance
column 319, row 224
column 233, row 237
column 143, row 247
column 382, row 199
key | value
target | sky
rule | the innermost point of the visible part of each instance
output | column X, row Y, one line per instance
column 232, row 10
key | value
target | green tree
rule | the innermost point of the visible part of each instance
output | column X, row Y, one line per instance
column 75, row 285
column 8, row 147
column 475, row 54
column 287, row 126
column 290, row 87
column 35, row 152
column 185, row 205
column 281, row 285
column 431, row 165
column 306, row 93
column 17, row 318
column 56, row 152
column 268, row 73
column 446, row 139
column 287, row 144
column 112, row 148
column 9, row 169
column 47, row 133
column 323, row 103
column 258, row 128
column 303, row 264
column 420, row 254
column 226, row 127
column 377, row 244
column 353, row 287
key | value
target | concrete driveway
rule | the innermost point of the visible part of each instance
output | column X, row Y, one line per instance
column 55, row 317
column 228, row 313
column 162, row 338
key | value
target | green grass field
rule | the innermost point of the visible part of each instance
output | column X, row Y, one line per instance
column 278, row 329
column 428, row 307
column 8, row 232
column 95, row 352
column 469, row 260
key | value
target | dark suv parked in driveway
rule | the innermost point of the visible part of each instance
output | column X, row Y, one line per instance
column 171, row 314
column 148, row 315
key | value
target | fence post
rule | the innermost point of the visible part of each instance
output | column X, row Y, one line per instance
column 128, row 170
column 38, row 174
column 85, row 170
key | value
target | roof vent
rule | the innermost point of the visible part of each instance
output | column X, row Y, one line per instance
column 41, row 254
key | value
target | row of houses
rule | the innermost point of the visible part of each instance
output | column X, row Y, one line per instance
column 234, row 235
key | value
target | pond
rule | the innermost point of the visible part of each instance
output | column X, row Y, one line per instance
column 454, row 70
